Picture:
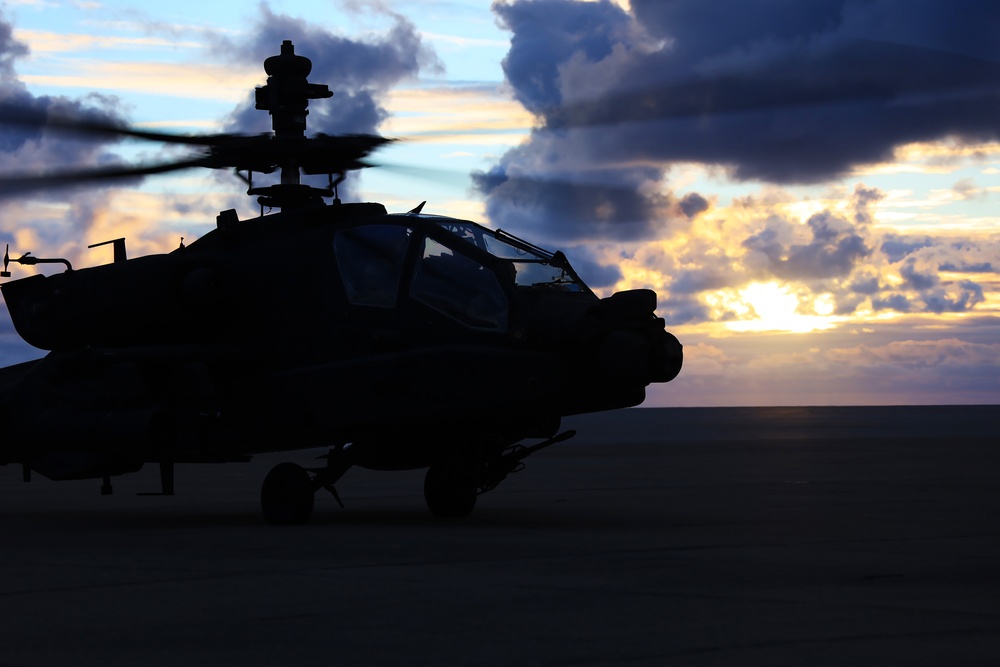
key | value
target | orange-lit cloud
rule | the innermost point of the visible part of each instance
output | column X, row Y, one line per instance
column 204, row 81
column 44, row 42
column 769, row 263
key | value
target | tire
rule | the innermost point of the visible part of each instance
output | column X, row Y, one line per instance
column 449, row 491
column 287, row 496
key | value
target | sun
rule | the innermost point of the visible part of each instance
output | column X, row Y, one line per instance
column 772, row 306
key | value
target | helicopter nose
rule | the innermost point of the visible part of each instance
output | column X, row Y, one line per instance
column 639, row 349
column 653, row 355
column 670, row 359
column 625, row 356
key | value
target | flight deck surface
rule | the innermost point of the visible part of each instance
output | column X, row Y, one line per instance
column 838, row 539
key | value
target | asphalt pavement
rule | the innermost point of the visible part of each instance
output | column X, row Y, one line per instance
column 637, row 543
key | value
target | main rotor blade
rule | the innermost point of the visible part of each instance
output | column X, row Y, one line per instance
column 19, row 185
column 11, row 114
column 449, row 177
column 149, row 135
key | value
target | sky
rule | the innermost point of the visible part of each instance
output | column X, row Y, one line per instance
column 812, row 189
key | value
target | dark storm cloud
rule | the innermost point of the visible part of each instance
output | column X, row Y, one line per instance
column 783, row 91
column 797, row 92
column 692, row 204
column 548, row 33
column 595, row 274
column 562, row 205
column 560, row 187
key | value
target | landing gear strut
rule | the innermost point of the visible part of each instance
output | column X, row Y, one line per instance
column 452, row 484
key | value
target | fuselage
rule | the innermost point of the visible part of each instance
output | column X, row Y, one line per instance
column 318, row 327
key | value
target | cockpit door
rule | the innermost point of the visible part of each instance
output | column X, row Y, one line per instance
column 458, row 287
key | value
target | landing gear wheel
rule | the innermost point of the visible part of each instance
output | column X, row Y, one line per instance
column 287, row 495
column 449, row 491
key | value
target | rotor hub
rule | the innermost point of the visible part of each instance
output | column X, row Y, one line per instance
column 287, row 93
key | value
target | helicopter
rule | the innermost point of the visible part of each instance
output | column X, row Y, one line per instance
column 396, row 341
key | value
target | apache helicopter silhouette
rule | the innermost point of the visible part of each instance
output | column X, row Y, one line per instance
column 398, row 341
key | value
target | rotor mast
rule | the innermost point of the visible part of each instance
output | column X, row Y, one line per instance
column 286, row 97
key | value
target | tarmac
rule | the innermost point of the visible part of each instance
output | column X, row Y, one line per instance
column 862, row 536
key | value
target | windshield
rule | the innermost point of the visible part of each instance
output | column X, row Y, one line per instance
column 533, row 266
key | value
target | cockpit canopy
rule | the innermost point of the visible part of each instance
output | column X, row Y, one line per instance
column 533, row 266
column 442, row 263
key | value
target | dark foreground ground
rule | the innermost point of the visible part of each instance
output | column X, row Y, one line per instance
column 680, row 537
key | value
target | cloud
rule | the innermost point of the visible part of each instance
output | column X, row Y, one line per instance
column 914, row 278
column 831, row 267
column 887, row 364
column 692, row 204
column 560, row 186
column 782, row 92
column 755, row 241
column 896, row 246
column 833, row 251
column 964, row 296
column 10, row 50
column 560, row 205
column 984, row 267
column 701, row 359
column 967, row 189
column 915, row 354
column 922, row 285
column 586, row 263
column 792, row 93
